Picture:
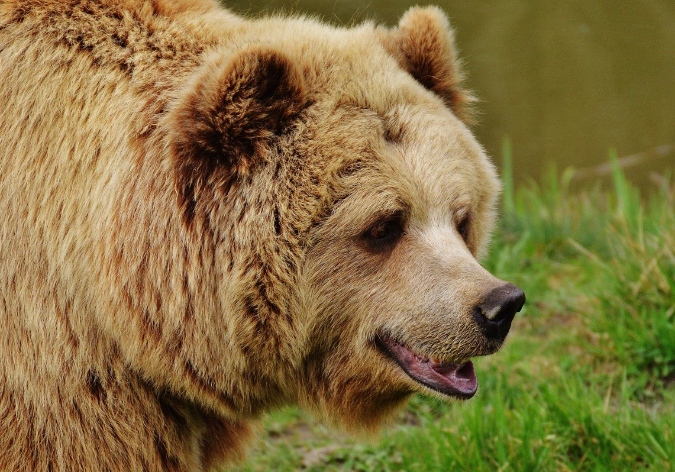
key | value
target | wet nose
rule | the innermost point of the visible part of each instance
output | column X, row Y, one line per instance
column 495, row 313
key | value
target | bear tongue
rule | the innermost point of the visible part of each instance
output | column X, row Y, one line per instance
column 457, row 380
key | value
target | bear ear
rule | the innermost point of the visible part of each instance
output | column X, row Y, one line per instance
column 230, row 114
column 423, row 45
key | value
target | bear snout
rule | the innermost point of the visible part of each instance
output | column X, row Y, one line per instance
column 495, row 313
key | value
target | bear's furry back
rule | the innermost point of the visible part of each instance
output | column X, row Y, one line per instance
column 86, row 195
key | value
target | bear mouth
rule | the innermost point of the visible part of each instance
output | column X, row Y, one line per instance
column 455, row 379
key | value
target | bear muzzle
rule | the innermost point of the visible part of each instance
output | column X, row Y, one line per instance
column 454, row 375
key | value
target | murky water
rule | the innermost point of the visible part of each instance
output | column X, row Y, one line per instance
column 565, row 81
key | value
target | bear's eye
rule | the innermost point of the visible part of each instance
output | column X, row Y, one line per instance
column 464, row 226
column 384, row 234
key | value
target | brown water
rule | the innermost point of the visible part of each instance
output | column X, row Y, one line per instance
column 565, row 81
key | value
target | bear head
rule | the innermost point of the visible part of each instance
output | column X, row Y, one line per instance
column 346, row 203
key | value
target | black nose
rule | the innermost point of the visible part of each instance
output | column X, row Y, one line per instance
column 495, row 313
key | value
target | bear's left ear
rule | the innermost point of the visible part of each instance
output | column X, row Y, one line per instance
column 423, row 45
column 230, row 114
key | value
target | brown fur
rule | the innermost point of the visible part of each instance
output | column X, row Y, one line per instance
column 183, row 198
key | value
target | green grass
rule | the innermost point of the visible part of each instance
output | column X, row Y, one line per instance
column 586, row 381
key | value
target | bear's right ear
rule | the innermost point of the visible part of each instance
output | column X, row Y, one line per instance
column 230, row 114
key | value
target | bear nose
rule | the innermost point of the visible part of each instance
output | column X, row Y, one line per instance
column 495, row 313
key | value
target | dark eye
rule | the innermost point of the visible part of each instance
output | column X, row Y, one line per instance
column 384, row 234
column 463, row 227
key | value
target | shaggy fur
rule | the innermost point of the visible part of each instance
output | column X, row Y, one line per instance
column 184, row 195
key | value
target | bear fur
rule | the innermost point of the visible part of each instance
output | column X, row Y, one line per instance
column 205, row 217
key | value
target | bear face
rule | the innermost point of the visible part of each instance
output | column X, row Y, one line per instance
column 392, row 270
column 370, row 201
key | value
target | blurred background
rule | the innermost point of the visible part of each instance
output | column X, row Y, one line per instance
column 564, row 81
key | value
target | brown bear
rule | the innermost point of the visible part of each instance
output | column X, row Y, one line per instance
column 205, row 217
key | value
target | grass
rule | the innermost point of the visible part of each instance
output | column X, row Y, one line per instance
column 587, row 379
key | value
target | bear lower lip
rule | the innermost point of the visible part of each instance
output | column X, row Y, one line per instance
column 456, row 380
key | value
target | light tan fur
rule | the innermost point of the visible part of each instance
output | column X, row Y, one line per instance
column 183, row 196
